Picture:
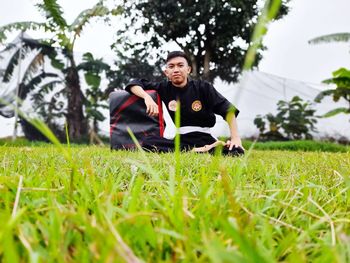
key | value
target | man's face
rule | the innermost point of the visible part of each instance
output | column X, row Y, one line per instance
column 177, row 71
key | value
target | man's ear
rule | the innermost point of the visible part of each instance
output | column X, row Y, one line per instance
column 165, row 72
column 189, row 69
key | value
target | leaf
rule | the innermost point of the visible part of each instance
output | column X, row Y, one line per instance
column 84, row 17
column 95, row 66
column 92, row 80
column 37, row 61
column 13, row 62
column 324, row 93
column 337, row 37
column 53, row 13
column 99, row 116
column 64, row 41
column 339, row 81
column 88, row 57
column 336, row 111
column 117, row 11
column 342, row 72
column 34, row 82
column 57, row 64
column 19, row 26
column 28, row 46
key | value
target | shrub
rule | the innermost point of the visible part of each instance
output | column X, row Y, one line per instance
column 295, row 120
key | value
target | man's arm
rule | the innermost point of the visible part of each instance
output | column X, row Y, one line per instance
column 235, row 140
column 151, row 106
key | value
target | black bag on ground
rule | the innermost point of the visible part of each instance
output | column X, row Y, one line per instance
column 128, row 110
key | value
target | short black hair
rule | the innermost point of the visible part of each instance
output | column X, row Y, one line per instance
column 175, row 54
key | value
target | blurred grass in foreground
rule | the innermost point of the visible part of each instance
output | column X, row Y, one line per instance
column 268, row 206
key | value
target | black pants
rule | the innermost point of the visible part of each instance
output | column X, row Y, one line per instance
column 187, row 143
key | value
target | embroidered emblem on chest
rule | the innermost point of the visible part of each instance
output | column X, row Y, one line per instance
column 172, row 105
column 196, row 105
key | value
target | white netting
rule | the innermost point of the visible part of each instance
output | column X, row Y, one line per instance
column 258, row 93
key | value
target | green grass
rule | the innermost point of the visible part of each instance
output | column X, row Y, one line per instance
column 92, row 204
column 302, row 145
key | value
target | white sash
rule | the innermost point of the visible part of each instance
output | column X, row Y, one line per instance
column 188, row 129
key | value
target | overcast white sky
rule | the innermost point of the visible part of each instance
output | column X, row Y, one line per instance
column 288, row 52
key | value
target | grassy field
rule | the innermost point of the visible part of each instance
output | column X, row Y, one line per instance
column 90, row 204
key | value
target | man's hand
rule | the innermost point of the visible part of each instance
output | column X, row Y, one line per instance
column 152, row 107
column 234, row 142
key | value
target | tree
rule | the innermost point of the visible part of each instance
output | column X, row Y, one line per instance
column 35, row 82
column 135, row 66
column 64, row 36
column 46, row 90
column 273, row 132
column 214, row 34
column 294, row 120
column 93, row 68
column 341, row 78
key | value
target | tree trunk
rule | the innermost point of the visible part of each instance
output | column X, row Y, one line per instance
column 206, row 65
column 194, row 71
column 77, row 125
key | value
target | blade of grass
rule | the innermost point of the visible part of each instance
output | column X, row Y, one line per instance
column 177, row 140
column 19, row 189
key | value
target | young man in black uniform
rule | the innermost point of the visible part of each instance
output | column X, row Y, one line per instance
column 199, row 102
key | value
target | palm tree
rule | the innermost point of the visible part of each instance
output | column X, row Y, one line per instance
column 64, row 35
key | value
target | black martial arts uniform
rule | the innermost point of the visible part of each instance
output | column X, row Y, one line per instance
column 199, row 103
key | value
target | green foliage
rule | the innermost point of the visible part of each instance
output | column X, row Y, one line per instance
column 65, row 36
column 295, row 120
column 85, row 16
column 19, row 26
column 270, row 206
column 214, row 34
column 341, row 78
column 93, row 68
column 135, row 66
column 53, row 14
column 298, row 118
